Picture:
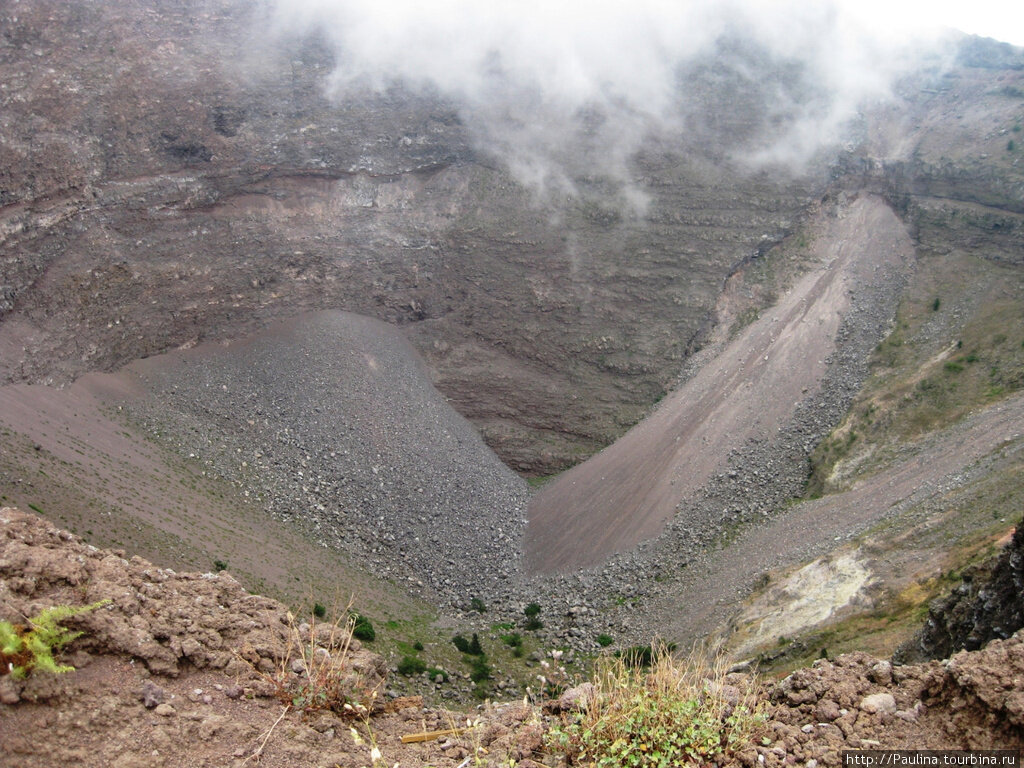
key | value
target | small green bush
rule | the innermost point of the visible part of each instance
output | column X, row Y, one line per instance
column 532, row 613
column 362, row 629
column 319, row 610
column 480, row 669
column 417, row 646
column 411, row 665
column 512, row 640
column 433, row 672
column 471, row 647
column 219, row 565
column 604, row 640
column 671, row 715
column 478, row 605
column 641, row 656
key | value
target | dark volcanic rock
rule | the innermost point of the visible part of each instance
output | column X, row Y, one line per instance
column 987, row 605
column 169, row 175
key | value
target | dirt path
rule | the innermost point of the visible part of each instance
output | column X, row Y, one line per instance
column 625, row 494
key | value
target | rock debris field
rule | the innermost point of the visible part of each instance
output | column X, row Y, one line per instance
column 332, row 422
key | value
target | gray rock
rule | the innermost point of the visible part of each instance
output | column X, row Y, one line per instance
column 878, row 703
column 151, row 695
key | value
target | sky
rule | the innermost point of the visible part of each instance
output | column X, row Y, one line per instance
column 999, row 19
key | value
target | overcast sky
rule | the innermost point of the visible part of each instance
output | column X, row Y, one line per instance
column 1000, row 19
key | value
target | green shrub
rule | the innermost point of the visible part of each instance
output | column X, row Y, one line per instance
column 362, row 629
column 319, row 610
column 671, row 715
column 471, row 647
column 433, row 672
column 478, row 605
column 480, row 669
column 411, row 665
column 604, row 640
column 532, row 613
column 512, row 640
column 641, row 656
column 417, row 646
column 219, row 565
column 27, row 648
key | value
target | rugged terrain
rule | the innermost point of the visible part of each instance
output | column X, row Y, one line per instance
column 187, row 210
column 178, row 175
column 179, row 669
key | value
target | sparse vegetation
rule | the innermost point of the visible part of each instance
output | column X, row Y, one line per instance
column 324, row 680
column 604, row 640
column 671, row 714
column 480, row 669
column 512, row 640
column 532, row 613
column 478, row 605
column 411, row 665
column 362, row 629
column 27, row 648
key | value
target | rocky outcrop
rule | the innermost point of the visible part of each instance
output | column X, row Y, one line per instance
column 988, row 604
column 167, row 621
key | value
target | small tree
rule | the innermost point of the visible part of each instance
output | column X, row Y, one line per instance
column 532, row 612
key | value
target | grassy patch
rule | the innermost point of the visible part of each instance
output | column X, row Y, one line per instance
column 673, row 713
column 943, row 359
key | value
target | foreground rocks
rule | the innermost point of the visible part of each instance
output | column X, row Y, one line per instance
column 174, row 672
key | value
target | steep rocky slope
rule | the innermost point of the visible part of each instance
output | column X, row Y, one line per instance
column 987, row 604
column 171, row 174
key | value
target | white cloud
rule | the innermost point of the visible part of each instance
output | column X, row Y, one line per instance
column 524, row 71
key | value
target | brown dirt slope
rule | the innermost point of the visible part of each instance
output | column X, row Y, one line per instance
column 711, row 590
column 625, row 494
